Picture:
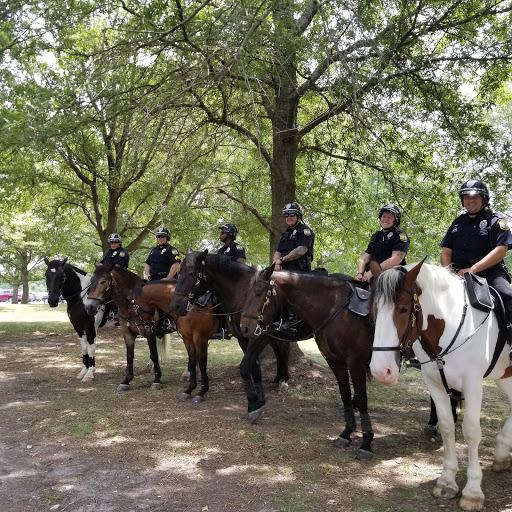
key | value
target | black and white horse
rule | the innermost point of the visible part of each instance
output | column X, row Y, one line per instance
column 63, row 279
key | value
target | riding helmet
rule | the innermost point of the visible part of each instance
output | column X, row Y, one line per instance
column 114, row 237
column 472, row 187
column 163, row 231
column 292, row 208
column 230, row 229
column 392, row 208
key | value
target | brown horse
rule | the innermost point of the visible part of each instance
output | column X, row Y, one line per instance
column 137, row 304
column 343, row 337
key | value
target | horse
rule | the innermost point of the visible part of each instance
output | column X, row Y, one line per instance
column 63, row 279
column 344, row 338
column 458, row 347
column 137, row 304
column 230, row 281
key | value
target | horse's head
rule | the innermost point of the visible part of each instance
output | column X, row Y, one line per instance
column 55, row 278
column 261, row 305
column 396, row 313
column 191, row 283
column 100, row 289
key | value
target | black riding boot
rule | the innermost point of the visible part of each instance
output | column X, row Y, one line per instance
column 287, row 323
column 224, row 332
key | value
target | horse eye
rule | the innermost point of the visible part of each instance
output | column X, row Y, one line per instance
column 403, row 310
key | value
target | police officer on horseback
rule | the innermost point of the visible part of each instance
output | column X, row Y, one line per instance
column 294, row 252
column 164, row 259
column 227, row 236
column 478, row 240
column 116, row 256
column 388, row 246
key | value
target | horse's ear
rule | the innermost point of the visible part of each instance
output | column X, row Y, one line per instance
column 96, row 264
column 267, row 273
column 47, row 261
column 412, row 275
column 65, row 260
column 375, row 267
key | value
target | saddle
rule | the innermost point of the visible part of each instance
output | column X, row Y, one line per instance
column 359, row 301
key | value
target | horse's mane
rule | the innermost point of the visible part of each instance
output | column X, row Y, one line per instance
column 433, row 280
column 55, row 263
column 224, row 264
column 131, row 278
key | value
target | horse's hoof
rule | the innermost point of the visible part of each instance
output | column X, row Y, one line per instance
column 83, row 371
column 185, row 376
column 88, row 378
column 198, row 399
column 430, row 431
column 501, row 465
column 123, row 387
column 185, row 396
column 364, row 455
column 471, row 503
column 283, row 386
column 156, row 385
column 254, row 416
column 341, row 442
column 445, row 493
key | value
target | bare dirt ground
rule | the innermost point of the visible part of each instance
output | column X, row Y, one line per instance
column 66, row 445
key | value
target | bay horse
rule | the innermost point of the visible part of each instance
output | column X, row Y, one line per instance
column 137, row 303
column 458, row 347
column 343, row 337
column 68, row 281
column 230, row 281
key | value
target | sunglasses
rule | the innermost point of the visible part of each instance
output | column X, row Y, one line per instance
column 290, row 215
column 161, row 236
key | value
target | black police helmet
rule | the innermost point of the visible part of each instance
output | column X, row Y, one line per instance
column 292, row 208
column 114, row 237
column 472, row 187
column 163, row 231
column 230, row 229
column 392, row 208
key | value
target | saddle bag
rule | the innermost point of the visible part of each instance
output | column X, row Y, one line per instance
column 479, row 293
column 203, row 299
column 360, row 302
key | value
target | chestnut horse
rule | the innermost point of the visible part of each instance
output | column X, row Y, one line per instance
column 458, row 347
column 343, row 337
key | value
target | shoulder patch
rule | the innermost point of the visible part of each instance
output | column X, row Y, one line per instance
column 122, row 254
column 175, row 251
column 307, row 232
column 403, row 237
column 240, row 247
column 503, row 224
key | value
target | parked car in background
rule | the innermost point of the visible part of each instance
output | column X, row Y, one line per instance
column 6, row 296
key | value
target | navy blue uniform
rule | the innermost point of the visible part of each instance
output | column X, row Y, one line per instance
column 383, row 243
column 233, row 250
column 470, row 239
column 161, row 259
column 114, row 257
column 300, row 235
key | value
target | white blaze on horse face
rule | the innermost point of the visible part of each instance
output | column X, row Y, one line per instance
column 384, row 365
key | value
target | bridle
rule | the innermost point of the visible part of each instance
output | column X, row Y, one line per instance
column 191, row 296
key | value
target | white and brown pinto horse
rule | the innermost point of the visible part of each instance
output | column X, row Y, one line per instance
column 455, row 343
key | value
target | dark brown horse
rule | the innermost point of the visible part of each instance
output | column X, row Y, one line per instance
column 230, row 282
column 343, row 337
column 137, row 303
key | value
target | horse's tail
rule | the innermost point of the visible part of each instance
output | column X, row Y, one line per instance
column 163, row 345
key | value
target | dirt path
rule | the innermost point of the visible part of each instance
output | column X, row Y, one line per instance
column 78, row 447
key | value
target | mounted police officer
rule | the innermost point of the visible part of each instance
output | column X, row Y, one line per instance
column 116, row 256
column 388, row 246
column 164, row 259
column 478, row 240
column 236, row 252
column 227, row 236
column 294, row 252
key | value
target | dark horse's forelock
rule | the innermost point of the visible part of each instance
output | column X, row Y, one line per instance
column 386, row 288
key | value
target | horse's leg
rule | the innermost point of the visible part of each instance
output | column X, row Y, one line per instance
column 250, row 372
column 91, row 351
column 191, row 367
column 201, row 346
column 360, row 401
column 129, row 340
column 342, row 377
column 153, row 355
column 282, row 351
column 445, row 487
column 472, row 496
column 85, row 357
column 502, row 458
column 430, row 429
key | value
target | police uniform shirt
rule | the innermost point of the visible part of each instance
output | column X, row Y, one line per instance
column 300, row 235
column 162, row 258
column 114, row 257
column 384, row 243
column 470, row 239
column 233, row 250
